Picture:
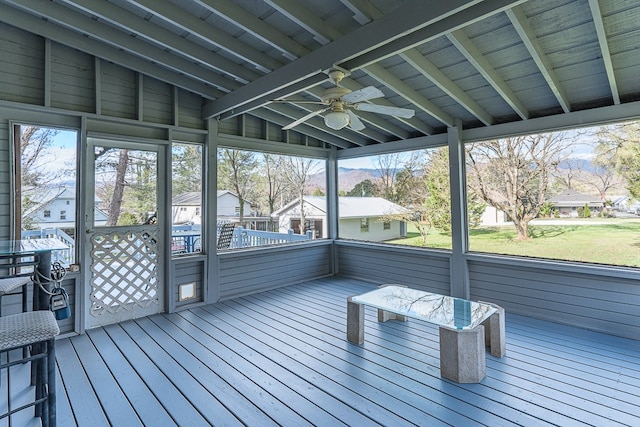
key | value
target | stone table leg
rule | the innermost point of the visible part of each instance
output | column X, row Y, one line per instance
column 462, row 354
column 355, row 322
column 495, row 332
column 384, row 315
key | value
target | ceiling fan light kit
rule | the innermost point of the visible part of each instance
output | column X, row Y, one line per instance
column 336, row 120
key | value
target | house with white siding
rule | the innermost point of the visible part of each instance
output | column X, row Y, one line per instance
column 186, row 208
column 361, row 218
column 56, row 208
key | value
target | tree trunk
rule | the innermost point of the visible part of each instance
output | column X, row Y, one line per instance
column 118, row 189
column 522, row 227
column 302, row 215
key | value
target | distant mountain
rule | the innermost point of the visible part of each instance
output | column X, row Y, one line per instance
column 348, row 178
column 577, row 164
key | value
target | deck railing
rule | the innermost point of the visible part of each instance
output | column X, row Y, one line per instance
column 243, row 238
column 186, row 239
column 64, row 256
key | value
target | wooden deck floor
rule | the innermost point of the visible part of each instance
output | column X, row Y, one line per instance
column 281, row 358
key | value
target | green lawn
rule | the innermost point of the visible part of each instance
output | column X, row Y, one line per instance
column 616, row 242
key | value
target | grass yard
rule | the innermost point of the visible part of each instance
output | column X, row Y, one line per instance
column 605, row 241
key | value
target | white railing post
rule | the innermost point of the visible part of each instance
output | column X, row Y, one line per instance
column 240, row 243
column 290, row 235
column 309, row 234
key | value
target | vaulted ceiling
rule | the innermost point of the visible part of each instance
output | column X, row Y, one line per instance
column 480, row 62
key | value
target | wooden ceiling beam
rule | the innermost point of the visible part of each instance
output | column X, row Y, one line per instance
column 405, row 19
column 524, row 30
column 477, row 59
column 604, row 48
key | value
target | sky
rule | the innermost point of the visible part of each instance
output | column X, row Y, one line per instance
column 62, row 153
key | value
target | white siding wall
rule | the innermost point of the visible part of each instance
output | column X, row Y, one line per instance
column 228, row 203
column 350, row 229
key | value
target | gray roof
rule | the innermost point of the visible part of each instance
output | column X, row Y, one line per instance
column 483, row 62
column 194, row 198
column 573, row 198
column 190, row 198
column 352, row 207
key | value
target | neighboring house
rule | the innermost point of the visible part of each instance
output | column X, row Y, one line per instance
column 626, row 204
column 620, row 203
column 186, row 208
column 229, row 205
column 57, row 209
column 568, row 202
column 360, row 217
column 492, row 216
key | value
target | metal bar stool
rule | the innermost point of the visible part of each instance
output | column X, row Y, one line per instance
column 35, row 329
column 14, row 286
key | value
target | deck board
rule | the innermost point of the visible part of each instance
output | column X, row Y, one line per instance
column 108, row 392
column 82, row 398
column 281, row 358
column 149, row 410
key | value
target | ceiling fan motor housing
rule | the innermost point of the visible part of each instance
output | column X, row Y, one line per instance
column 334, row 94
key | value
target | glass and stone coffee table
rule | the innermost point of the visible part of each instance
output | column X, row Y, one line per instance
column 466, row 327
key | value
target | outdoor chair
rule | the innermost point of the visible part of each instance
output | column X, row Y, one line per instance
column 14, row 286
column 225, row 236
column 34, row 330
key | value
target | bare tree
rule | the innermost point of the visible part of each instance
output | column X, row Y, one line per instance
column 387, row 166
column 236, row 172
column 620, row 146
column 276, row 184
column 297, row 172
column 571, row 172
column 34, row 143
column 118, row 188
column 605, row 174
column 514, row 174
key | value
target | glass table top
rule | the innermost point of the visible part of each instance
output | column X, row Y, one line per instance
column 26, row 246
column 442, row 310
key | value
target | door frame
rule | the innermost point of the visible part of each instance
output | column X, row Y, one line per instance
column 162, row 148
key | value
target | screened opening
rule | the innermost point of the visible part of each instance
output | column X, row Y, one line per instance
column 569, row 196
column 45, row 171
column 186, row 201
column 400, row 198
column 270, row 199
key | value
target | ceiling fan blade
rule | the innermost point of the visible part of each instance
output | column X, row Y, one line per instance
column 354, row 122
column 299, row 101
column 405, row 113
column 304, row 119
column 364, row 94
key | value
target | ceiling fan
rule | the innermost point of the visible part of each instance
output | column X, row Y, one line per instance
column 340, row 103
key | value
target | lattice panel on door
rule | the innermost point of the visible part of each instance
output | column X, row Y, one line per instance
column 124, row 267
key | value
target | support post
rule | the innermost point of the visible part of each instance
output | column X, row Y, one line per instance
column 458, row 269
column 210, row 208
